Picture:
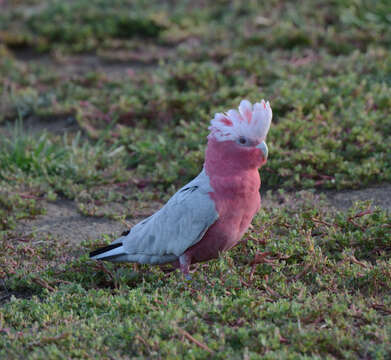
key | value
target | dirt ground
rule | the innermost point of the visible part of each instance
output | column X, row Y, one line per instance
column 63, row 221
column 379, row 195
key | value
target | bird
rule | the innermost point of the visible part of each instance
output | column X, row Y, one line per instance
column 210, row 214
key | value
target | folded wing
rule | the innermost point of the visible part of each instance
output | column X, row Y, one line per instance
column 168, row 233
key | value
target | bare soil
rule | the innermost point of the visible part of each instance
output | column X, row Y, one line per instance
column 379, row 195
column 63, row 221
column 125, row 63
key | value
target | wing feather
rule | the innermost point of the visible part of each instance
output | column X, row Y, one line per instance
column 178, row 225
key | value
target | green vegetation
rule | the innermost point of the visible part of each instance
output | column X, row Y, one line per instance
column 140, row 81
column 326, row 71
column 321, row 290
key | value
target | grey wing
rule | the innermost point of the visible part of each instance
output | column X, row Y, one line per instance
column 178, row 225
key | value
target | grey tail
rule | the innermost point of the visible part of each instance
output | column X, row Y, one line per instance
column 103, row 250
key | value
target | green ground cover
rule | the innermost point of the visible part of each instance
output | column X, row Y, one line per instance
column 322, row 290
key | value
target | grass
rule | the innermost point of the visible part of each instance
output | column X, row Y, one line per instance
column 321, row 289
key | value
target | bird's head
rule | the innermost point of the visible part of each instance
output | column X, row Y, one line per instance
column 237, row 138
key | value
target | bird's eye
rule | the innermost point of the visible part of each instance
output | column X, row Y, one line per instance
column 242, row 140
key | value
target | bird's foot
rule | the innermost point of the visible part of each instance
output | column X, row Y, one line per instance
column 184, row 266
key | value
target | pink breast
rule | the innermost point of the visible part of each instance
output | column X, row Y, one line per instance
column 237, row 201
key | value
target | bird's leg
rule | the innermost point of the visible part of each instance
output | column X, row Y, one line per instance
column 184, row 265
column 136, row 267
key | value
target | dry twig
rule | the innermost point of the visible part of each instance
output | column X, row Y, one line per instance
column 354, row 260
column 48, row 340
column 382, row 308
column 43, row 283
column 301, row 273
column 195, row 341
column 100, row 266
column 358, row 215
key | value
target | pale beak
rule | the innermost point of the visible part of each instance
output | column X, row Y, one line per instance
column 263, row 147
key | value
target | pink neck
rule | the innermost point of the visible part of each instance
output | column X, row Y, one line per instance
column 225, row 158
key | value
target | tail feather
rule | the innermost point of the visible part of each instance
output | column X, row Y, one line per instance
column 107, row 251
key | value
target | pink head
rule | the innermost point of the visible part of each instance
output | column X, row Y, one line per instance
column 237, row 138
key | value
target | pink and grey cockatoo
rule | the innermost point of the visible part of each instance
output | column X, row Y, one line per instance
column 211, row 213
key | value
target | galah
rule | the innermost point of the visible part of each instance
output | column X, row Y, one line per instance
column 211, row 213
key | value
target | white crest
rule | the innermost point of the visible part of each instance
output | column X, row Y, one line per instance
column 251, row 121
